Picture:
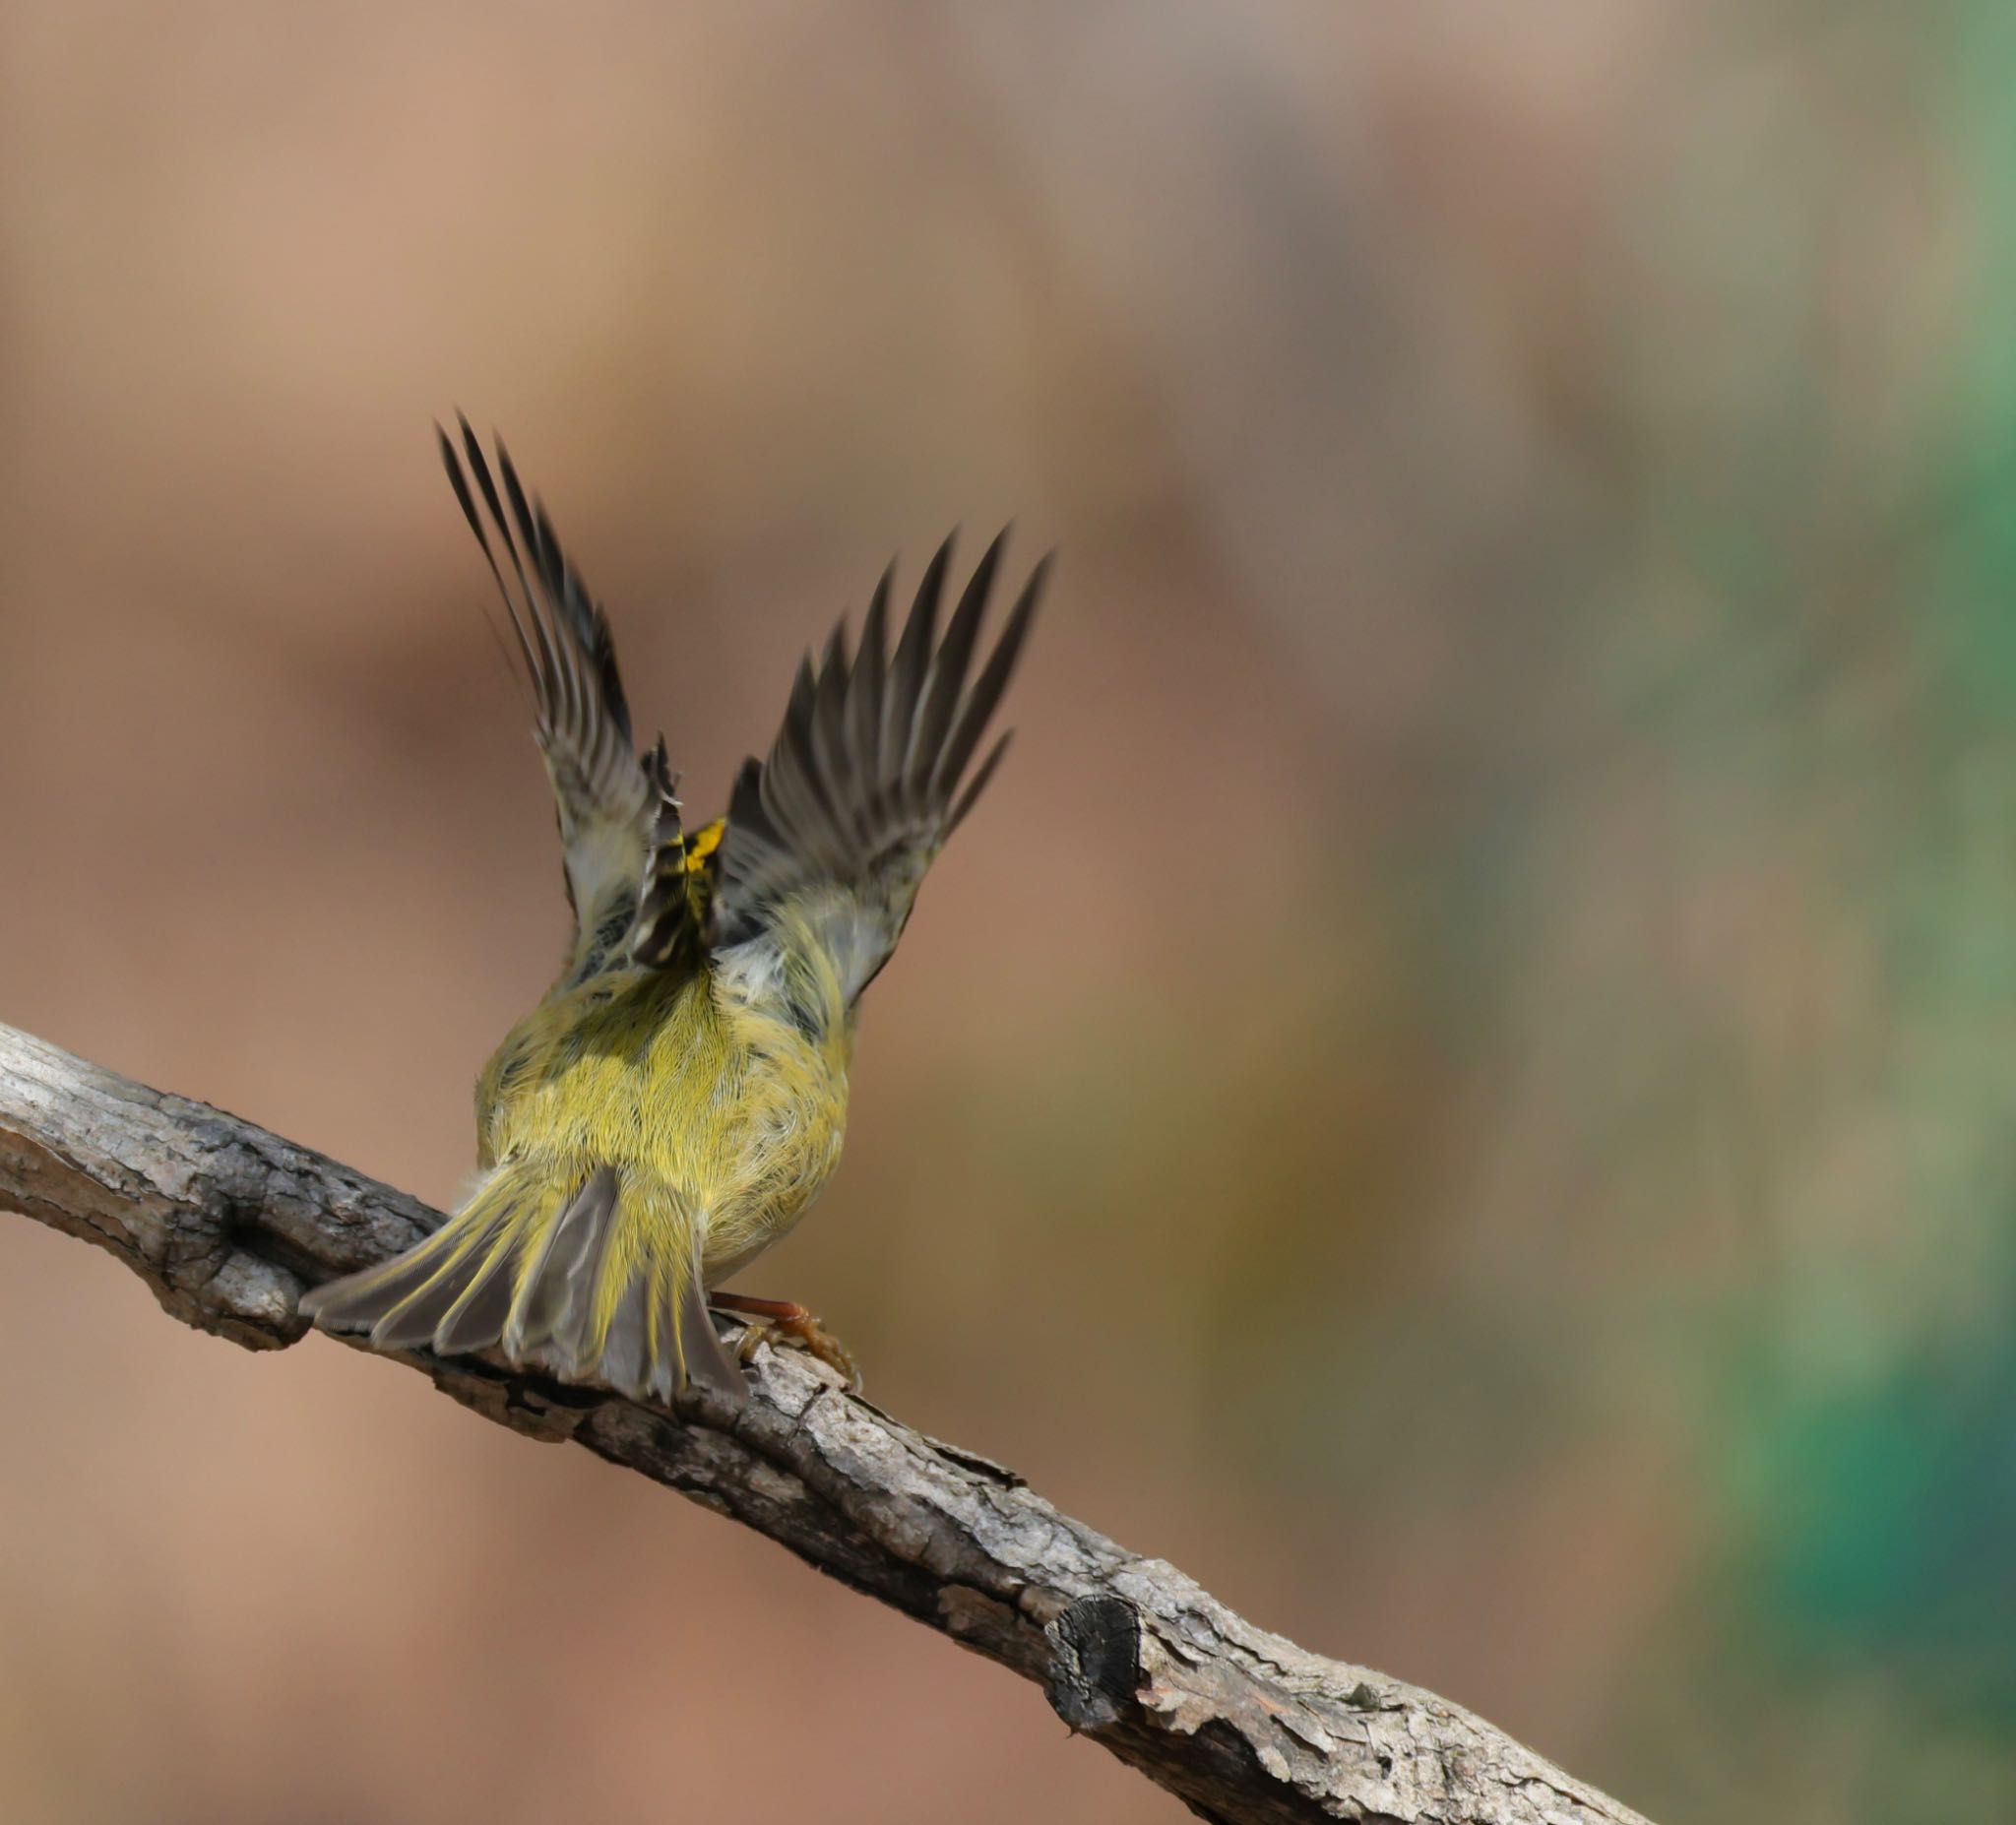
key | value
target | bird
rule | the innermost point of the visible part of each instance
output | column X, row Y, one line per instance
column 677, row 1098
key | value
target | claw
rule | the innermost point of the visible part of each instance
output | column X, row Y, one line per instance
column 778, row 1322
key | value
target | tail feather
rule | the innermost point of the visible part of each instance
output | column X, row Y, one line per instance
column 695, row 1341
column 551, row 1307
column 376, row 1295
column 412, row 1306
column 589, row 1281
column 477, row 1318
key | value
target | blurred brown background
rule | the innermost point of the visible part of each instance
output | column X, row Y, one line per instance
column 1456, row 1087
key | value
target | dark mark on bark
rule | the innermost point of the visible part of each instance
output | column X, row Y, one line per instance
column 1095, row 1660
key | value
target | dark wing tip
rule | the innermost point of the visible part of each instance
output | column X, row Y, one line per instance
column 946, row 684
column 970, row 797
column 457, row 480
column 956, row 743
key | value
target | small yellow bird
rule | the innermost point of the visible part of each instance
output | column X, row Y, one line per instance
column 677, row 1098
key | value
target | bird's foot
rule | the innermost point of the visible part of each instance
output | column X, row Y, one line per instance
column 784, row 1321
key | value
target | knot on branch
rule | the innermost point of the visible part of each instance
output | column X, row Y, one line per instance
column 1094, row 1660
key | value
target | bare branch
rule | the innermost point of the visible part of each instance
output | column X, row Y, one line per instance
column 228, row 1223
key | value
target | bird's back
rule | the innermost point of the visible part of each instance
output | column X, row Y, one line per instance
column 716, row 1082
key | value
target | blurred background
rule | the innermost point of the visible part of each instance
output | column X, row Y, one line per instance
column 1458, row 1084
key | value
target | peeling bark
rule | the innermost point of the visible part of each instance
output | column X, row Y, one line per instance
column 228, row 1224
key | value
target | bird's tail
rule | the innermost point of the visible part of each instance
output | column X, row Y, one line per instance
column 594, row 1277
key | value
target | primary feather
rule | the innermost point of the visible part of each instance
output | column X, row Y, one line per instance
column 581, row 720
column 834, row 831
column 677, row 1098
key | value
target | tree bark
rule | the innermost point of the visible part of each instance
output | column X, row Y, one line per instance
column 228, row 1224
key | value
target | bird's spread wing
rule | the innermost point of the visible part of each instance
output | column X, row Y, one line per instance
column 616, row 810
column 872, row 770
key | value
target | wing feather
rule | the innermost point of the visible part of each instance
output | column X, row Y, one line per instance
column 946, row 682
column 871, row 670
column 835, row 829
column 607, row 807
column 989, row 688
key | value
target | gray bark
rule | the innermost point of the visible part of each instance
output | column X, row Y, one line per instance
column 228, row 1224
